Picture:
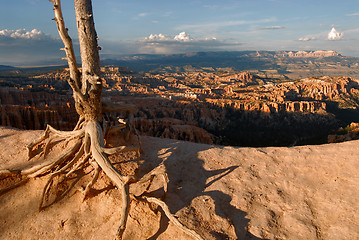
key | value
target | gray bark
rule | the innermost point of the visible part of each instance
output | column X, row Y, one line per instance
column 91, row 81
column 87, row 87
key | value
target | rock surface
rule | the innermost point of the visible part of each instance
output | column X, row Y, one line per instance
column 307, row 192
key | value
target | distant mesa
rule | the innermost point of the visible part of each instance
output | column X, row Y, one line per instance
column 308, row 54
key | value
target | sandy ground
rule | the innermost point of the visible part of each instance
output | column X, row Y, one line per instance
column 307, row 192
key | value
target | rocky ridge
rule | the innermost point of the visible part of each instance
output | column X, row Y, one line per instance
column 308, row 54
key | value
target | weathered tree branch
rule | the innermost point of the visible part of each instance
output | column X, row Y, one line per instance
column 75, row 76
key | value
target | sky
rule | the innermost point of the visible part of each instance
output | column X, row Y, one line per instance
column 28, row 36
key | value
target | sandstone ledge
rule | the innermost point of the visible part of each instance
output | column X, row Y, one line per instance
column 306, row 192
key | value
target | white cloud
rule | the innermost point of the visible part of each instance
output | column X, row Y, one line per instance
column 28, row 47
column 353, row 14
column 157, row 37
column 306, row 39
column 22, row 34
column 140, row 16
column 272, row 28
column 210, row 38
column 144, row 14
column 335, row 35
column 182, row 37
column 181, row 43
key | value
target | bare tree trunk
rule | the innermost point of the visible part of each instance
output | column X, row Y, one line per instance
column 87, row 86
column 91, row 82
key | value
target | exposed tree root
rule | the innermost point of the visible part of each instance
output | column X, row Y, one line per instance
column 10, row 179
column 85, row 154
column 170, row 216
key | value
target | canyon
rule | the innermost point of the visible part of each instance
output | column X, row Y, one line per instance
column 207, row 106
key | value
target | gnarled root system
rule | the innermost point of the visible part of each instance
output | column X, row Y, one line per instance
column 85, row 149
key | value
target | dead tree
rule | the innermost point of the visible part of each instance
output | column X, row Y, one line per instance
column 86, row 143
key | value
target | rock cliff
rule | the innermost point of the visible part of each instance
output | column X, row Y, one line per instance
column 34, row 110
column 29, row 117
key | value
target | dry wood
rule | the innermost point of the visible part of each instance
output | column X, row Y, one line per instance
column 170, row 216
column 75, row 79
column 94, row 179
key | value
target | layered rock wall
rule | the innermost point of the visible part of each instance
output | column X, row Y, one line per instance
column 271, row 107
column 34, row 110
column 30, row 117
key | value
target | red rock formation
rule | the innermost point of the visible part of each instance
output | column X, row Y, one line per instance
column 193, row 111
column 34, row 110
column 28, row 117
column 268, row 107
column 13, row 96
column 351, row 132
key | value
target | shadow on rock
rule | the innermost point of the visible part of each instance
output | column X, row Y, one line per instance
column 192, row 196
